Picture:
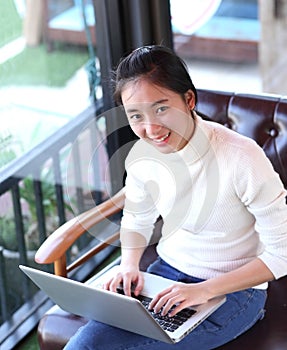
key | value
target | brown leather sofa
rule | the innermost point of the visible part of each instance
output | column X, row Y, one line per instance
column 261, row 117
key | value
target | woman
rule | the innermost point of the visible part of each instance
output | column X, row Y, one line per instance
column 222, row 205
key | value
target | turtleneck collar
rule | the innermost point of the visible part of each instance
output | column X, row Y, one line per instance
column 193, row 151
column 199, row 143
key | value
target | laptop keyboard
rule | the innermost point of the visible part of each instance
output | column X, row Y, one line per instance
column 167, row 323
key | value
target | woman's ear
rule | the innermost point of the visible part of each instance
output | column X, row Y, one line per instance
column 190, row 99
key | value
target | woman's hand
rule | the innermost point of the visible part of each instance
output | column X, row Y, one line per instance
column 133, row 245
column 184, row 295
column 181, row 295
column 130, row 278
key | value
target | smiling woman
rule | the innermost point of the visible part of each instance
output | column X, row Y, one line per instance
column 215, row 191
column 160, row 116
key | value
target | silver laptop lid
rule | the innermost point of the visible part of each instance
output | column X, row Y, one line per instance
column 93, row 302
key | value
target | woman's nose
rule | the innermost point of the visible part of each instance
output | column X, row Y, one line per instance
column 152, row 129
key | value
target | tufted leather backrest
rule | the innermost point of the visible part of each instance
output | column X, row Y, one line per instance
column 260, row 117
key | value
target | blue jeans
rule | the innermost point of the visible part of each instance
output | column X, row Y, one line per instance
column 239, row 313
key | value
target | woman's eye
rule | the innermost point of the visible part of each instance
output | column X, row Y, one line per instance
column 161, row 109
column 135, row 117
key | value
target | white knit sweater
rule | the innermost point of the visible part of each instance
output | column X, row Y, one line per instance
column 220, row 199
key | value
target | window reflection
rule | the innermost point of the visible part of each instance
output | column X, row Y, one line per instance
column 45, row 86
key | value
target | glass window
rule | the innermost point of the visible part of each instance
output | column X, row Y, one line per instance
column 219, row 39
column 52, row 148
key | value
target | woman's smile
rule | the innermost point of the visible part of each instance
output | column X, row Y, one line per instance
column 158, row 115
column 159, row 140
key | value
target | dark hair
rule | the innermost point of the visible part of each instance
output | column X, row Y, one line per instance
column 158, row 64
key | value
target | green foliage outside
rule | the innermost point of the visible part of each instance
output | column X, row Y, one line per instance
column 35, row 66
column 29, row 343
column 8, row 238
column 7, row 153
column 10, row 23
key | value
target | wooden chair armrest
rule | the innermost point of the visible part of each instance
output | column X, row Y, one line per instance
column 54, row 248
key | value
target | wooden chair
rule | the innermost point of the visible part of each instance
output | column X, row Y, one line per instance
column 54, row 249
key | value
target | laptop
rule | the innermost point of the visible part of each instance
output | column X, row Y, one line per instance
column 130, row 313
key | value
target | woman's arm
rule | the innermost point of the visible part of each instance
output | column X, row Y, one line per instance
column 247, row 276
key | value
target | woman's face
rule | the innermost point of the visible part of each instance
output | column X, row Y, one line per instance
column 158, row 115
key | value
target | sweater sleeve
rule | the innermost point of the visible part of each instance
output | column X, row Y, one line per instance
column 140, row 212
column 262, row 192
